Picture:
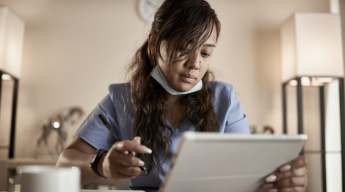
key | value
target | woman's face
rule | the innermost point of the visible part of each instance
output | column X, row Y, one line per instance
column 184, row 75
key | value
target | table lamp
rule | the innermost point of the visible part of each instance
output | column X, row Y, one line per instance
column 11, row 46
column 312, row 55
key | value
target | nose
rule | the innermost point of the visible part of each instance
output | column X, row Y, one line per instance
column 196, row 64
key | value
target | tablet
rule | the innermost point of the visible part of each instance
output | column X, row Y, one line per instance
column 227, row 162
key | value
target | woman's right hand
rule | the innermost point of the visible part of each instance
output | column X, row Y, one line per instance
column 119, row 164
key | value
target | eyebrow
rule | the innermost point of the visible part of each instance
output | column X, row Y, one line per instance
column 209, row 45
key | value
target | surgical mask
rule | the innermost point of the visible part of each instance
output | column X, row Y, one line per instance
column 157, row 75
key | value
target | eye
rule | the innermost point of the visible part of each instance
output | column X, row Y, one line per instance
column 205, row 54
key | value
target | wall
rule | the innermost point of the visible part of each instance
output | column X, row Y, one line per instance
column 74, row 49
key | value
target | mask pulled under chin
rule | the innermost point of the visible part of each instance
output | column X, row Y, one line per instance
column 157, row 75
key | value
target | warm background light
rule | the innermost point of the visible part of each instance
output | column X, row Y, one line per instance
column 11, row 41
column 6, row 77
column 312, row 46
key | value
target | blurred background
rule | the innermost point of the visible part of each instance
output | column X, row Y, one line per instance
column 74, row 49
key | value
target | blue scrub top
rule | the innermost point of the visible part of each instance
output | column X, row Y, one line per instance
column 226, row 105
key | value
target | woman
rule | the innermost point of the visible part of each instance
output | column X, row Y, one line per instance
column 170, row 91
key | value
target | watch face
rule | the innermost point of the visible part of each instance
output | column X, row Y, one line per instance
column 94, row 157
column 148, row 8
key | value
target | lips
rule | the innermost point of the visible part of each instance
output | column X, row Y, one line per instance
column 188, row 78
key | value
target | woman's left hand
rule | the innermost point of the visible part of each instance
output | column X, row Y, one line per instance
column 292, row 177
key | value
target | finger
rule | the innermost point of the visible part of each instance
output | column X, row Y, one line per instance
column 127, row 145
column 136, row 140
column 291, row 182
column 299, row 162
column 283, row 172
column 300, row 172
column 285, row 168
column 126, row 160
column 130, row 171
column 271, row 178
column 276, row 176
column 290, row 169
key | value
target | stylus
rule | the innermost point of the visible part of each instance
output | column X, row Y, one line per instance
column 105, row 122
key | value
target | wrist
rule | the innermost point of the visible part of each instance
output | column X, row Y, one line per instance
column 95, row 161
column 100, row 164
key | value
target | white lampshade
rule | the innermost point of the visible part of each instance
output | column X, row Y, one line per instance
column 311, row 46
column 11, row 41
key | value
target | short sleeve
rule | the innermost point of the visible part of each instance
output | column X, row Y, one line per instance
column 236, row 119
column 94, row 131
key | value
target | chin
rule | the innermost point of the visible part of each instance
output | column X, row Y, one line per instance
column 183, row 87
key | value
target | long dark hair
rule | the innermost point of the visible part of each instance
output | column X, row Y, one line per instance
column 184, row 25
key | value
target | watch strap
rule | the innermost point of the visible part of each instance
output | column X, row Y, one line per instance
column 95, row 160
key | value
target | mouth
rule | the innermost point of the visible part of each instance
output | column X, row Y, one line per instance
column 188, row 78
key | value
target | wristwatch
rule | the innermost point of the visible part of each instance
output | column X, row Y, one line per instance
column 95, row 159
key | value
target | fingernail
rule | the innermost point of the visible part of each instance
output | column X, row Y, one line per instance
column 120, row 144
column 137, row 138
column 271, row 178
column 141, row 163
column 149, row 151
column 285, row 168
column 273, row 190
column 267, row 186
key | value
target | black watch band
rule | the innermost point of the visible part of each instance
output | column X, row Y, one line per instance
column 95, row 159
